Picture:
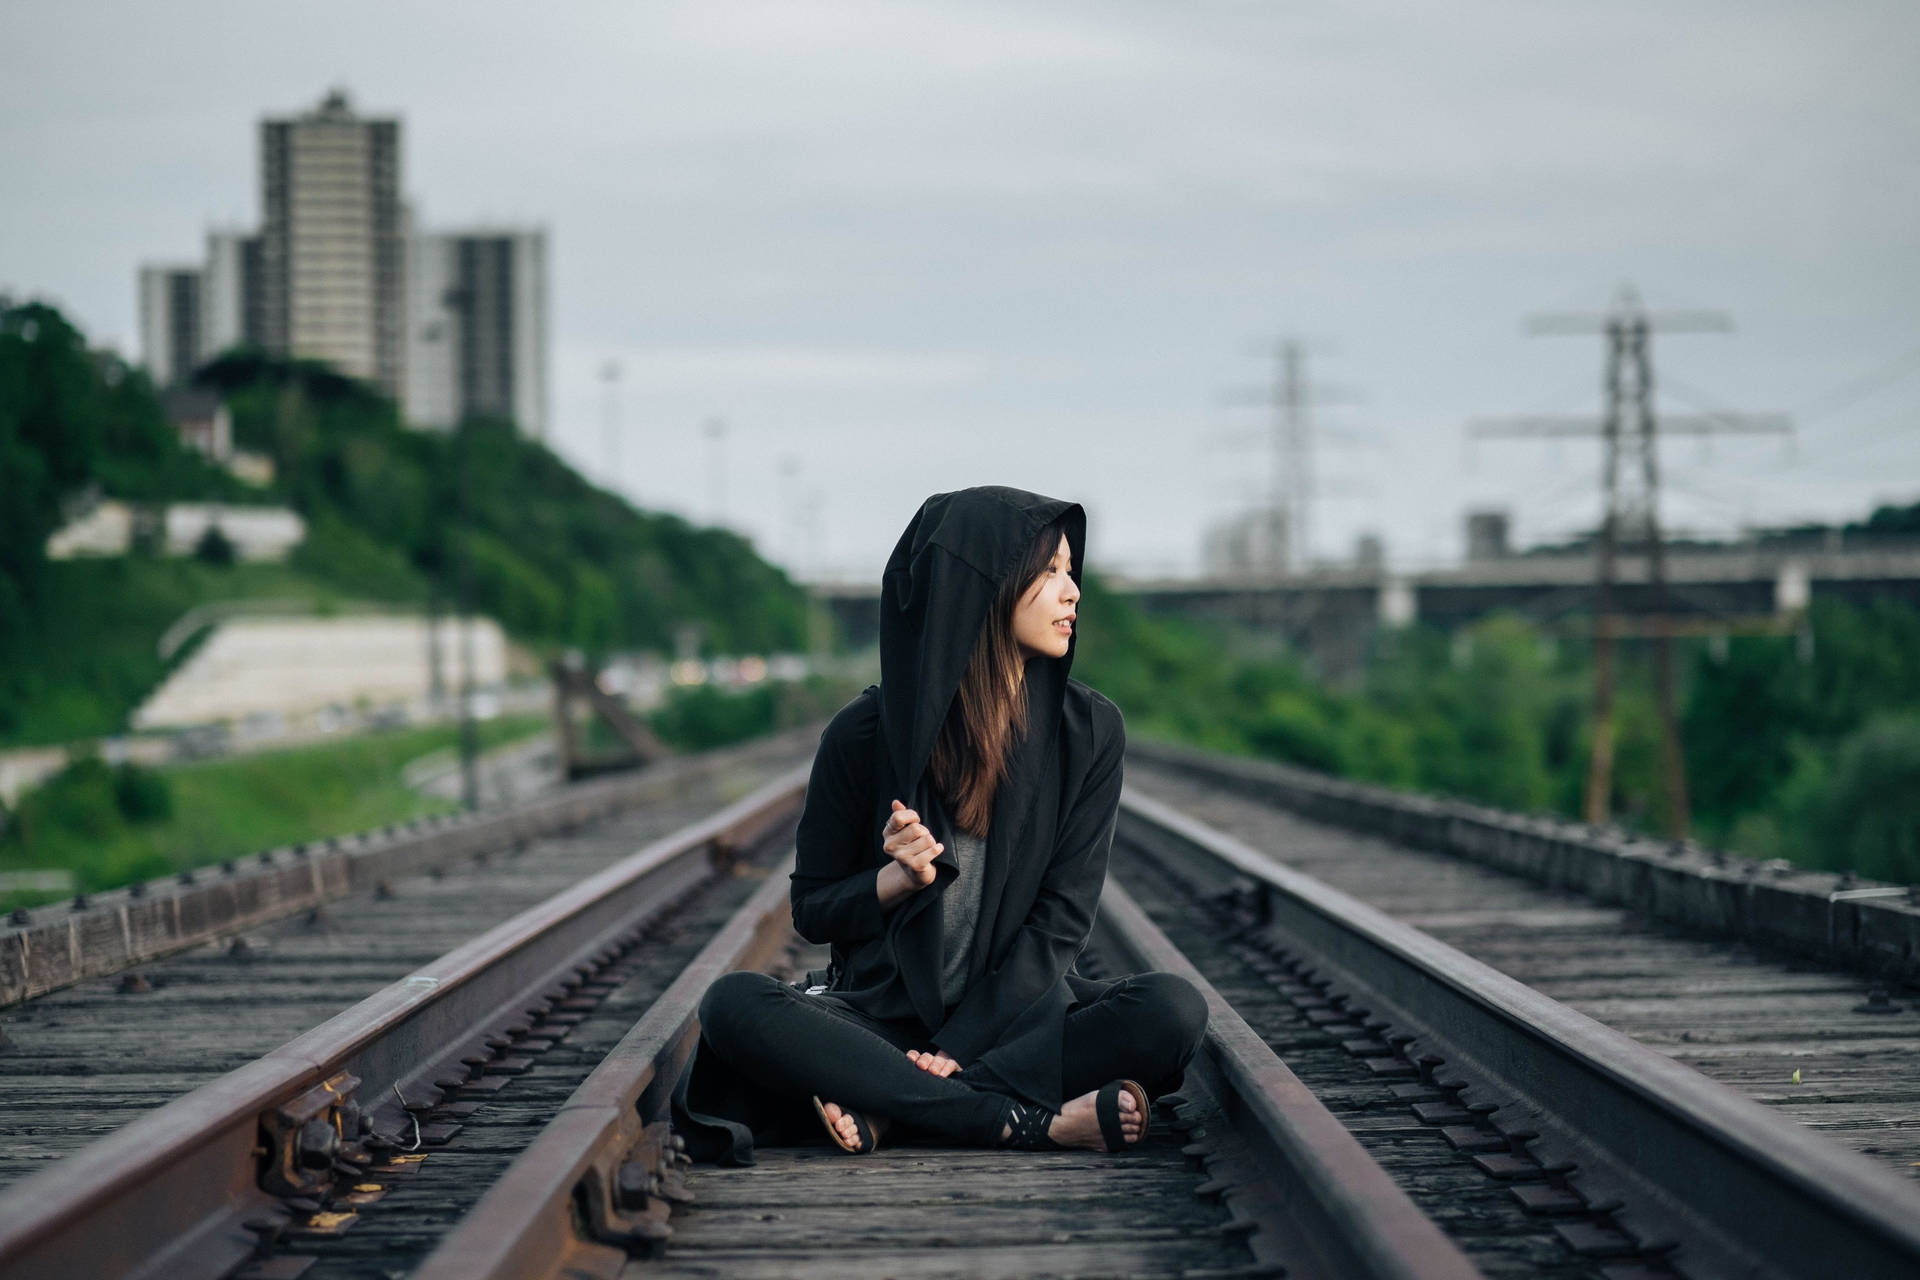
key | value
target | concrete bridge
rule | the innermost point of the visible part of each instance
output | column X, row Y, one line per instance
column 1333, row 614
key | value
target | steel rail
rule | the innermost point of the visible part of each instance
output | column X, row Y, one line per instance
column 187, row 1189
column 1738, row 1189
column 1862, row 925
column 598, row 1182
column 1324, row 1209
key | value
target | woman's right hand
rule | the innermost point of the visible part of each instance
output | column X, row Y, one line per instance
column 911, row 845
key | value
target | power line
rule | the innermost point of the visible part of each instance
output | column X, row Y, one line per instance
column 1863, row 386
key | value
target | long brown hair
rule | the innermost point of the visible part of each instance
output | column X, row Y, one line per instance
column 989, row 710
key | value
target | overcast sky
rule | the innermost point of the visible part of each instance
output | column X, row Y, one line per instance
column 901, row 248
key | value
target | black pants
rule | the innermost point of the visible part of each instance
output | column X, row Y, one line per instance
column 1144, row 1028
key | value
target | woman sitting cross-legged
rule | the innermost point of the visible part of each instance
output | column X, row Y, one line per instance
column 952, row 851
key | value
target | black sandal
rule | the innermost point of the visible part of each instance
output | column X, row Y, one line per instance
column 867, row 1138
column 1027, row 1123
column 1106, row 1105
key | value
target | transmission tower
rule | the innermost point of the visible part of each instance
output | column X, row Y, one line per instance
column 1289, row 398
column 1630, row 488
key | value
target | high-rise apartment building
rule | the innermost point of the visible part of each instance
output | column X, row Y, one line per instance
column 332, row 266
column 477, row 328
column 230, row 293
column 170, row 322
column 452, row 324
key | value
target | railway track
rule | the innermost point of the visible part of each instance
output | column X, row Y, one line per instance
column 80, row 1061
column 1369, row 1102
column 1829, row 1047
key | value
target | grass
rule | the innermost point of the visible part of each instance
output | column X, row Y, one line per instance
column 227, row 808
column 91, row 656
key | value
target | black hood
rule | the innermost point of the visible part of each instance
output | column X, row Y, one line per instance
column 939, row 583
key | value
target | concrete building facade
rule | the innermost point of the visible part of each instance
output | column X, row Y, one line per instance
column 453, row 324
column 230, row 293
column 477, row 328
column 332, row 253
column 170, row 322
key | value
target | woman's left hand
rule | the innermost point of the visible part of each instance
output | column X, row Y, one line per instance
column 937, row 1062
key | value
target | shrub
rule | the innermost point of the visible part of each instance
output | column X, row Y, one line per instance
column 142, row 794
column 1868, row 815
column 214, row 548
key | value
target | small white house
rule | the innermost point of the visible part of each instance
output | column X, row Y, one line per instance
column 257, row 533
column 107, row 529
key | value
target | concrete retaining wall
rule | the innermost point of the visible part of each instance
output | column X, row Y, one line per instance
column 1858, row 924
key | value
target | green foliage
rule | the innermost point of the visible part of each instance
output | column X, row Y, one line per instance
column 1794, row 749
column 1891, row 519
column 558, row 561
column 141, row 794
column 91, row 654
column 389, row 511
column 70, row 417
column 114, row 825
column 1484, row 715
column 214, row 548
column 1870, row 810
column 701, row 717
column 338, row 552
column 1811, row 753
column 86, row 808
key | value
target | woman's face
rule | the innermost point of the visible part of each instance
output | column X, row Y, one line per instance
column 1043, row 619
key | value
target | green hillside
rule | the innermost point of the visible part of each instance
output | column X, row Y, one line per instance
column 394, row 515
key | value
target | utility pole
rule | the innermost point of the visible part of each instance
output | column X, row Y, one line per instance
column 792, row 536
column 459, row 551
column 610, row 420
column 1630, row 488
column 715, row 429
column 1292, row 457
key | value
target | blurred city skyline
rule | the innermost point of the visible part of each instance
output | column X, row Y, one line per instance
column 903, row 248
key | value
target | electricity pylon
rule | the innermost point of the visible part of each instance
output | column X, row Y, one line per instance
column 1630, row 485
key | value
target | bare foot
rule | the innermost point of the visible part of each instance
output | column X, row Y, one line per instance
column 849, row 1129
column 1078, row 1124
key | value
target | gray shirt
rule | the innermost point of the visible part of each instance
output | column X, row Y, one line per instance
column 960, row 914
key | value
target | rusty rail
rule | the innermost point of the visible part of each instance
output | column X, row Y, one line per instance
column 598, row 1183
column 194, row 1185
column 1322, row 1207
column 600, row 1179
column 1717, row 1181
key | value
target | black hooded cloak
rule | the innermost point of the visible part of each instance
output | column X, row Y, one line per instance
column 1047, row 846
